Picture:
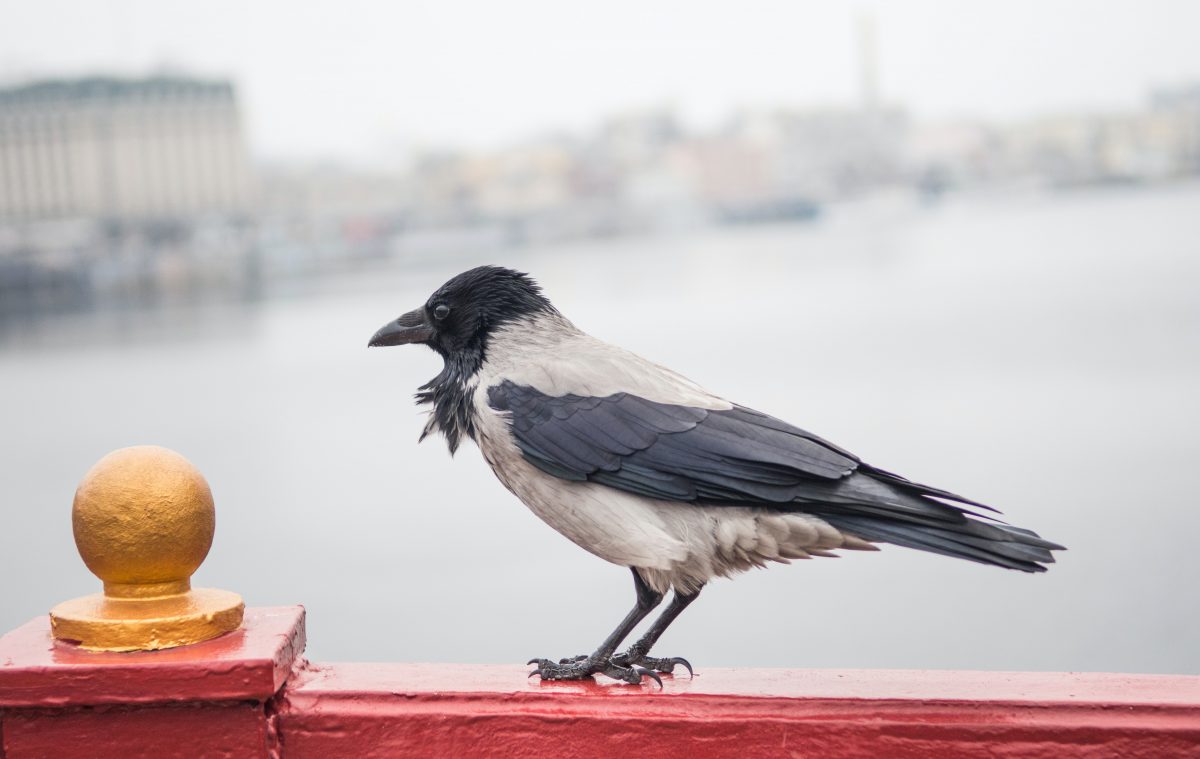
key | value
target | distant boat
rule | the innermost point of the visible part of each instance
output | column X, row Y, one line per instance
column 771, row 211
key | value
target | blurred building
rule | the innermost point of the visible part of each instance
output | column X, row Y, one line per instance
column 1173, row 127
column 1158, row 142
column 773, row 157
column 125, row 150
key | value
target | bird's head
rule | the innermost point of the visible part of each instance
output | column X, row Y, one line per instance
column 458, row 318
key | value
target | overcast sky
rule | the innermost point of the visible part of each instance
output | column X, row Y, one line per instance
column 357, row 80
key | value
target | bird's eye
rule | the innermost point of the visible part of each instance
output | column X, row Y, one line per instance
column 441, row 311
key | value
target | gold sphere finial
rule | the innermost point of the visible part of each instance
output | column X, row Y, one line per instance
column 144, row 519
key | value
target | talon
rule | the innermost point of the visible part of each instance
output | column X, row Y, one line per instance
column 643, row 672
column 537, row 672
column 686, row 663
column 532, row 661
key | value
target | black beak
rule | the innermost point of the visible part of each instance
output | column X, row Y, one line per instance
column 413, row 327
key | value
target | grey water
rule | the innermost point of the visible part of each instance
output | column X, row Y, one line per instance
column 1037, row 351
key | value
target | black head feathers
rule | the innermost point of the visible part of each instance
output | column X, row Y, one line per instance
column 466, row 309
column 462, row 315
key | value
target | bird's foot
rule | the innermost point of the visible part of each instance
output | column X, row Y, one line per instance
column 583, row 667
column 665, row 665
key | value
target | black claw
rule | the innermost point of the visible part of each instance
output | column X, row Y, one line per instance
column 532, row 661
column 642, row 671
column 665, row 665
column 537, row 672
column 686, row 663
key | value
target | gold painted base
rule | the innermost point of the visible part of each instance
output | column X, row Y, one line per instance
column 103, row 623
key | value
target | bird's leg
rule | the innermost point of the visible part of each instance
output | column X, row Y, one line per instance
column 601, row 660
column 637, row 652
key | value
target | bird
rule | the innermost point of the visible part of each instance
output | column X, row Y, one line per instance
column 644, row 468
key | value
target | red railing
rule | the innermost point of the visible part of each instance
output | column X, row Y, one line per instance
column 249, row 694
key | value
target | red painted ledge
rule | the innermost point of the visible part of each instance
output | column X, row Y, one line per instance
column 428, row 710
column 249, row 695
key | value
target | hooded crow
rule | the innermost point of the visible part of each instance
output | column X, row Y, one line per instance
column 646, row 469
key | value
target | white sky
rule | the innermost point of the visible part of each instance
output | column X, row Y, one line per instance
column 355, row 80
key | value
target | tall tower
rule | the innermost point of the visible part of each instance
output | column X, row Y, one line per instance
column 868, row 61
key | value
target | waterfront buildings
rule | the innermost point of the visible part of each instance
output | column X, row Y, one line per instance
column 121, row 149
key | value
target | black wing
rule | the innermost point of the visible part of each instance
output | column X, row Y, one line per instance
column 742, row 457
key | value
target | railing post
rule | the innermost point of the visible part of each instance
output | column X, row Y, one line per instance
column 205, row 700
column 150, row 667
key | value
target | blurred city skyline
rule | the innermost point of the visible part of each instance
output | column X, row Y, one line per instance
column 368, row 84
column 139, row 190
column 154, row 152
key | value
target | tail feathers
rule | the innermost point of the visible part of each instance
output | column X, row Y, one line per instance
column 917, row 516
column 1014, row 553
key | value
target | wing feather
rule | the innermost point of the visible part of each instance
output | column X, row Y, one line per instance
column 742, row 457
